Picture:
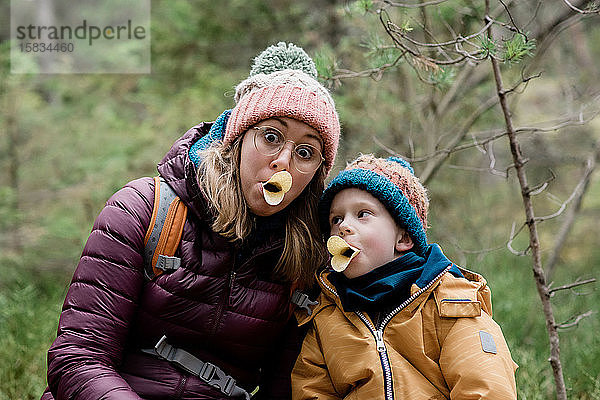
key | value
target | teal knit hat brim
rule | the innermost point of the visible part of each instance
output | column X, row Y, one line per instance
column 385, row 191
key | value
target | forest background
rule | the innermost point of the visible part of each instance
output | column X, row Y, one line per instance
column 67, row 142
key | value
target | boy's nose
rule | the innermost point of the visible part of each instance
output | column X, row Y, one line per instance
column 344, row 229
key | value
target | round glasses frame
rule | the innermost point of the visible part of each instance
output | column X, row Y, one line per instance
column 298, row 161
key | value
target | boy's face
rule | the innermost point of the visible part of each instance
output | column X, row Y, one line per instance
column 364, row 222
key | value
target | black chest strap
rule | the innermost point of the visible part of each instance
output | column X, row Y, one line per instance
column 209, row 373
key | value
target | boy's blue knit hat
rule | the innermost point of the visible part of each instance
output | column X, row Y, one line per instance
column 393, row 182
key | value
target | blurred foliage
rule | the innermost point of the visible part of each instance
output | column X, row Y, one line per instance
column 68, row 142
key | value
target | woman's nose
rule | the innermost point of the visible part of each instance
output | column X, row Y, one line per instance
column 283, row 159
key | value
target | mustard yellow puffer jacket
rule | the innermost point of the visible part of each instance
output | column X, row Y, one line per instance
column 442, row 343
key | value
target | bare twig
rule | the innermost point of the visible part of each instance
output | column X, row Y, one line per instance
column 572, row 7
column 372, row 72
column 394, row 31
column 572, row 213
column 576, row 194
column 489, row 149
column 497, row 134
column 534, row 243
column 475, row 169
column 458, row 39
column 570, row 286
column 419, row 5
column 434, row 167
column 388, row 149
column 548, row 38
column 514, row 25
column 534, row 15
column 576, row 320
column 550, row 31
column 512, row 237
column 523, row 81
column 534, row 191
column 502, row 24
column 539, row 189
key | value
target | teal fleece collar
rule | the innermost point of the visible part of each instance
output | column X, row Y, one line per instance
column 389, row 285
column 216, row 133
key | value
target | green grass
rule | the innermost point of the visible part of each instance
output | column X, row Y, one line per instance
column 29, row 309
column 518, row 310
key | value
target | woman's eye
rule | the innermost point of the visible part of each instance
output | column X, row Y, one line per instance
column 271, row 136
column 305, row 152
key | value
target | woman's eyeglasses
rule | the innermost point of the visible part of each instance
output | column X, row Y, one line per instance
column 270, row 141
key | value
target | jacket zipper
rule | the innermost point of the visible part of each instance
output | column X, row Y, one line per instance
column 378, row 332
column 180, row 387
column 230, row 286
column 383, row 356
column 225, row 297
column 225, row 300
column 381, row 349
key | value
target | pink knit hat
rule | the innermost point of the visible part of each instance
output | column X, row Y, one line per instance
column 283, row 83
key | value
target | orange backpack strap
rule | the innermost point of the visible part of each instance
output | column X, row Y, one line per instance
column 164, row 232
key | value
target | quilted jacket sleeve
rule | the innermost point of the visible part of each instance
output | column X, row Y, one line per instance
column 101, row 301
column 475, row 360
column 310, row 378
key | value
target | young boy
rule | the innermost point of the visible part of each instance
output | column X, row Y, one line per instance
column 399, row 321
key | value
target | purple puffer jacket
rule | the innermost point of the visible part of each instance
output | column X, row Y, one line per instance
column 219, row 306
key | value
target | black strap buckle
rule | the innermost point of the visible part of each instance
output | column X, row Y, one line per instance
column 223, row 382
column 215, row 377
column 209, row 373
column 303, row 301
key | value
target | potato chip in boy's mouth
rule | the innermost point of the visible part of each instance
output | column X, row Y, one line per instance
column 342, row 253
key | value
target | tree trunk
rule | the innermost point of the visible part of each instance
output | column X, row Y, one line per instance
column 534, row 243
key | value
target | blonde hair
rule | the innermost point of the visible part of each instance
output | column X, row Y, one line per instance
column 303, row 249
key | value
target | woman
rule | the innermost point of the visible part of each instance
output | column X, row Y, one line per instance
column 223, row 315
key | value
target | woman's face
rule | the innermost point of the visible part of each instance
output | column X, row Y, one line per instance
column 256, row 168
